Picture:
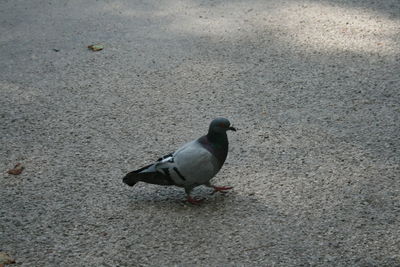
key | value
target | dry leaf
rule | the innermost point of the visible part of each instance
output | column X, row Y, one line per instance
column 96, row 47
column 5, row 259
column 18, row 168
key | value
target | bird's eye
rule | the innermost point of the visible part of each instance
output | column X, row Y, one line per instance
column 222, row 125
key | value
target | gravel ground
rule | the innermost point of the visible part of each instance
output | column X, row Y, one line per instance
column 313, row 87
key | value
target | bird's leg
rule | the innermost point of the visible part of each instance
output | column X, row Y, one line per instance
column 221, row 189
column 190, row 199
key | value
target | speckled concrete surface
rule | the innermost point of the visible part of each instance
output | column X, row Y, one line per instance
column 313, row 87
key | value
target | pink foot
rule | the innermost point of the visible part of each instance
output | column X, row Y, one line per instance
column 221, row 189
column 194, row 201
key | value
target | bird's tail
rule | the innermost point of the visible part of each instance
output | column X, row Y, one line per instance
column 136, row 176
column 147, row 174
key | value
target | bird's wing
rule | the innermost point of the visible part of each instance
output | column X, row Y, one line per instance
column 191, row 164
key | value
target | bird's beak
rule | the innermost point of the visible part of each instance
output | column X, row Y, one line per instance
column 232, row 129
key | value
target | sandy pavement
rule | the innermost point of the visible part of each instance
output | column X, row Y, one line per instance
column 313, row 87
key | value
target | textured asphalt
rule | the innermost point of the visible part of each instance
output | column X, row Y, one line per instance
column 313, row 87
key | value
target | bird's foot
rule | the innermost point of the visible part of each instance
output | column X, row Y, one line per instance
column 194, row 201
column 222, row 189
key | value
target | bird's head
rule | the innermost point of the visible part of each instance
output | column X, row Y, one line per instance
column 221, row 125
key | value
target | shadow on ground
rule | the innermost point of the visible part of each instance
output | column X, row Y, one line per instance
column 312, row 86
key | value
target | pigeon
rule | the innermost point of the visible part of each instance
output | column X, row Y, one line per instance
column 192, row 165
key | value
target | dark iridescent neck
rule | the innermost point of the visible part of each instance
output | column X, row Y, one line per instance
column 217, row 138
column 217, row 144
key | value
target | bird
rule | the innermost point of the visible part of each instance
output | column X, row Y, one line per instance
column 191, row 165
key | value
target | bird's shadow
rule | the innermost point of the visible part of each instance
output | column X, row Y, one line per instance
column 174, row 199
column 167, row 194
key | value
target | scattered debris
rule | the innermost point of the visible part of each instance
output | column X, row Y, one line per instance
column 96, row 47
column 5, row 259
column 18, row 168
